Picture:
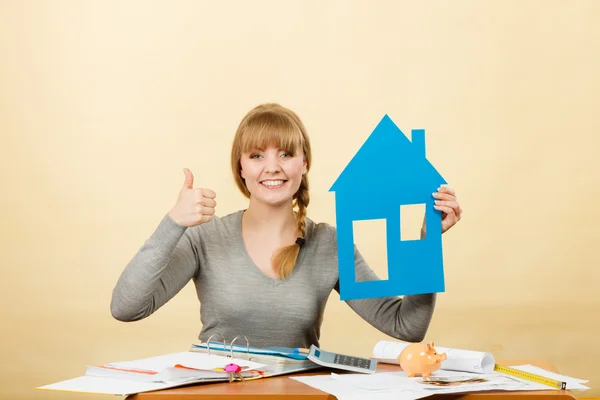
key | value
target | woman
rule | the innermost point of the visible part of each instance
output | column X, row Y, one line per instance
column 265, row 272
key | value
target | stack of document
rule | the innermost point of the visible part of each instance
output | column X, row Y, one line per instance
column 397, row 385
column 463, row 371
column 155, row 373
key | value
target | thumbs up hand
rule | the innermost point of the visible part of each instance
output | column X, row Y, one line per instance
column 194, row 206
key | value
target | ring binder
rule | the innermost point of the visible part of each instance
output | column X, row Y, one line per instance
column 232, row 369
column 276, row 360
column 279, row 360
column 222, row 337
column 230, row 355
column 233, row 341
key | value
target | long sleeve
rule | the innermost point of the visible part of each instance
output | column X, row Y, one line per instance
column 158, row 271
column 405, row 318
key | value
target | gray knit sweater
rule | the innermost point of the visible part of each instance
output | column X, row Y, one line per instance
column 236, row 298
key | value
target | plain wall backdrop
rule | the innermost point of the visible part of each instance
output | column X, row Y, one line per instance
column 103, row 103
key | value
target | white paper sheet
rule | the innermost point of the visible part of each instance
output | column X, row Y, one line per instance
column 100, row 385
column 167, row 375
column 187, row 358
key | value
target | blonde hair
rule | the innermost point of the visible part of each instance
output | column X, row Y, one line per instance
column 274, row 125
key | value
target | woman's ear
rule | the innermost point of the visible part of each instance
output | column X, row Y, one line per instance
column 304, row 167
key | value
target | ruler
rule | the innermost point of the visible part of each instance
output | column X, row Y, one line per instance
column 530, row 377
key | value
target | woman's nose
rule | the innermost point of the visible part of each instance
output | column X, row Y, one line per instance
column 272, row 164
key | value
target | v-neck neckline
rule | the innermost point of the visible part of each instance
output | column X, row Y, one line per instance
column 250, row 261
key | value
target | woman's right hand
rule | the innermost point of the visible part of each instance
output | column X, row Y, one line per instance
column 194, row 206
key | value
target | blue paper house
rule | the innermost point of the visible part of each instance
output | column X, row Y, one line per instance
column 389, row 171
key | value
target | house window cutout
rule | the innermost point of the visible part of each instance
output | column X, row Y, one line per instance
column 412, row 217
column 370, row 237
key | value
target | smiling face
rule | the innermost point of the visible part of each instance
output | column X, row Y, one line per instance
column 271, row 156
column 272, row 175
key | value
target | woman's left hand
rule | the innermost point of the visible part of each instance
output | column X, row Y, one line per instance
column 447, row 203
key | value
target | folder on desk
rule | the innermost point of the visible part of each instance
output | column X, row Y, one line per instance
column 155, row 373
column 177, row 369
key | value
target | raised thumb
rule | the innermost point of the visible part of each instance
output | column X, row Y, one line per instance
column 189, row 179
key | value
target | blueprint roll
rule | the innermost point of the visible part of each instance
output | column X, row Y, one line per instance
column 456, row 359
column 467, row 360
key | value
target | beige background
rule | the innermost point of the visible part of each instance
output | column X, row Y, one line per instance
column 102, row 103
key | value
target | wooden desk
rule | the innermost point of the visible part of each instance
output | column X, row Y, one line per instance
column 284, row 388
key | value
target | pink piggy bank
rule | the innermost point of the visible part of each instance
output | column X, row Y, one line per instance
column 420, row 358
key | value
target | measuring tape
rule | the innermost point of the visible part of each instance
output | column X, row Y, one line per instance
column 530, row 377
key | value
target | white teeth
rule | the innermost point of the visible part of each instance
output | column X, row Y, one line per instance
column 272, row 183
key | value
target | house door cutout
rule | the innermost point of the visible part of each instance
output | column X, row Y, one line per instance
column 411, row 221
column 370, row 237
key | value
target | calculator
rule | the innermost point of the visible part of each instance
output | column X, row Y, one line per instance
column 341, row 361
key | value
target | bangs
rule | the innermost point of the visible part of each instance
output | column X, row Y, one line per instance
column 268, row 129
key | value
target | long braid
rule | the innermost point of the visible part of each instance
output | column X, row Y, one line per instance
column 302, row 201
column 285, row 258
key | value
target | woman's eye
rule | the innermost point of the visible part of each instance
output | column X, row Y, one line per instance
column 287, row 155
column 254, row 155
